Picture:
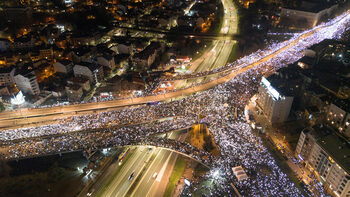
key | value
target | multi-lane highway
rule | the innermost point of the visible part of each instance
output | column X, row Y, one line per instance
column 134, row 165
column 26, row 116
column 162, row 165
column 215, row 57
column 143, row 162
column 155, row 179
column 220, row 52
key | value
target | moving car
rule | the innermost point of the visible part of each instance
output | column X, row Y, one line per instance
column 155, row 175
column 131, row 176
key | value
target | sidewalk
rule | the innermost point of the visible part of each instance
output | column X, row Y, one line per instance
column 276, row 137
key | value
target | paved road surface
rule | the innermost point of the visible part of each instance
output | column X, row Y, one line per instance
column 121, row 183
column 137, row 161
column 15, row 117
column 163, row 165
column 221, row 51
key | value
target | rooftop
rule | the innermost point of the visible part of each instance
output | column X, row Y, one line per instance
column 78, row 79
column 6, row 69
column 64, row 62
column 312, row 6
column 343, row 104
column 91, row 66
column 291, row 74
column 144, row 54
column 73, row 87
column 338, row 149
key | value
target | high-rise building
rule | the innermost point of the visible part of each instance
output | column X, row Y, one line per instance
column 27, row 82
column 274, row 104
column 338, row 116
column 327, row 155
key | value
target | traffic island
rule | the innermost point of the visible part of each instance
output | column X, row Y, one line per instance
column 201, row 138
column 177, row 173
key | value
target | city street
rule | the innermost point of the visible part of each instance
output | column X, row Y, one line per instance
column 281, row 144
column 221, row 50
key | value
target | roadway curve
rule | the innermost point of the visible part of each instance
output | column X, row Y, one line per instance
column 25, row 116
column 221, row 50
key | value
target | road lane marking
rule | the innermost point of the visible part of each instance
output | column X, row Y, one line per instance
column 161, row 172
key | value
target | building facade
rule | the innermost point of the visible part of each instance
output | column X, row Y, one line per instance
column 106, row 60
column 7, row 76
column 308, row 14
column 338, row 116
column 74, row 92
column 274, row 105
column 27, row 83
column 92, row 71
column 63, row 66
column 327, row 155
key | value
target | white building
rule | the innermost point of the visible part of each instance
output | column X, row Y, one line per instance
column 327, row 155
column 106, row 60
column 146, row 57
column 338, row 116
column 274, row 104
column 92, row 71
column 27, row 83
column 63, row 66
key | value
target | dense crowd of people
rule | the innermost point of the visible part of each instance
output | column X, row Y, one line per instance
column 325, row 30
column 95, row 139
column 137, row 125
column 91, row 121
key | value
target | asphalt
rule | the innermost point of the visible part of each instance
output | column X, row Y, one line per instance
column 121, row 183
column 214, row 58
column 162, row 164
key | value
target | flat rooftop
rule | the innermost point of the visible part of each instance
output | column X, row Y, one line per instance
column 312, row 6
column 338, row 148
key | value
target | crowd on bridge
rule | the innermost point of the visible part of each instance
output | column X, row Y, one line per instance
column 137, row 134
column 125, row 116
column 237, row 142
column 234, row 137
